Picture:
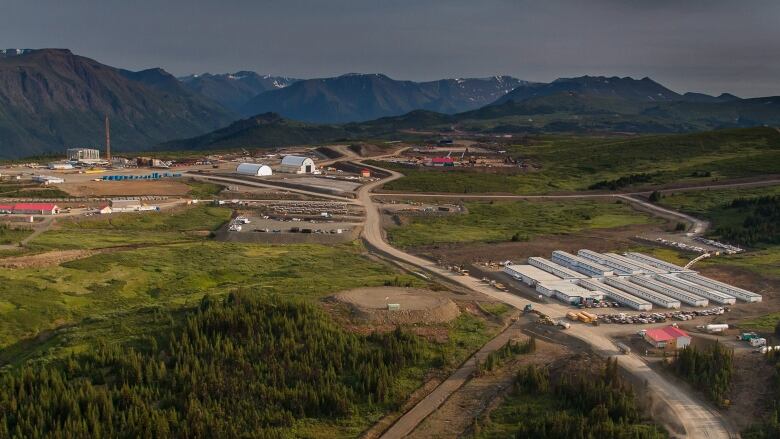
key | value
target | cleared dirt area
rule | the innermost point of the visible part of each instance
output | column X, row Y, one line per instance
column 614, row 239
column 45, row 259
column 168, row 187
column 416, row 305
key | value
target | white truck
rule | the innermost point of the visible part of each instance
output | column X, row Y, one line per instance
column 757, row 342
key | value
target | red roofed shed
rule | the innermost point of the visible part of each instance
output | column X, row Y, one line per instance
column 668, row 337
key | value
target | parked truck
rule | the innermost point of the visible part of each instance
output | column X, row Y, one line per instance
column 757, row 342
column 747, row 336
column 719, row 327
column 572, row 316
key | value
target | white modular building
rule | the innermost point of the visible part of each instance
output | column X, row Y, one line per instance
column 649, row 260
column 582, row 265
column 530, row 275
column 256, row 169
column 553, row 268
column 567, row 292
column 739, row 293
column 709, row 293
column 620, row 268
column 644, row 268
column 668, row 290
column 639, row 291
column 297, row 164
column 60, row 165
column 618, row 296
column 47, row 179
column 83, row 155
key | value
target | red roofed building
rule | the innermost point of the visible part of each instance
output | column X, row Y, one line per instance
column 669, row 337
column 365, row 173
column 30, row 208
column 442, row 161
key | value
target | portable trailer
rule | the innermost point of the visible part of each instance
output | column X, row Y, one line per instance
column 618, row 266
column 715, row 296
column 618, row 296
column 739, row 293
column 644, row 268
column 645, row 293
column 554, row 269
column 649, row 260
column 668, row 290
column 582, row 265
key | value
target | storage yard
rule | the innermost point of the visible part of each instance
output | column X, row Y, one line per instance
column 634, row 280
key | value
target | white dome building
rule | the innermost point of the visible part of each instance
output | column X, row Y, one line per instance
column 297, row 164
column 256, row 169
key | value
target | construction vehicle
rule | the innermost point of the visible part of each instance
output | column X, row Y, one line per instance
column 747, row 336
column 591, row 316
column 572, row 316
column 584, row 318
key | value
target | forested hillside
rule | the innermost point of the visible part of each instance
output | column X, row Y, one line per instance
column 239, row 367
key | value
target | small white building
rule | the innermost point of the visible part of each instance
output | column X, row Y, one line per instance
column 257, row 169
column 60, row 166
column 47, row 179
column 297, row 164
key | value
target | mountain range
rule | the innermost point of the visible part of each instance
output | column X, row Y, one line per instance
column 360, row 97
column 234, row 90
column 51, row 99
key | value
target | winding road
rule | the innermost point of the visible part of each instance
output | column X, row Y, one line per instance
column 696, row 418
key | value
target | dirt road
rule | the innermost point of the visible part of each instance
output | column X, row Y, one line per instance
column 695, row 417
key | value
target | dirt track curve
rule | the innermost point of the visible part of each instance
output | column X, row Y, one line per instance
column 696, row 418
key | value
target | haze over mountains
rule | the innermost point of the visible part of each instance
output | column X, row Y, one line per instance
column 360, row 97
column 51, row 99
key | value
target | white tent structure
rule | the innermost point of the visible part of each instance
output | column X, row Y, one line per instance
column 297, row 164
column 257, row 169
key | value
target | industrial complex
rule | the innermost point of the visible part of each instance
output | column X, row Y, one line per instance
column 634, row 280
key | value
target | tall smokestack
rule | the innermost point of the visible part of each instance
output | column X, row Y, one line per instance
column 108, row 140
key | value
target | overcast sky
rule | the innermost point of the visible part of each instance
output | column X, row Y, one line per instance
column 697, row 45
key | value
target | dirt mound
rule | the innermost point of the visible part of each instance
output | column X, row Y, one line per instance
column 415, row 305
column 44, row 259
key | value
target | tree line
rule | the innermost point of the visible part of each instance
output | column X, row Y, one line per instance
column 761, row 223
column 621, row 182
column 709, row 369
column 237, row 367
column 574, row 406
column 769, row 427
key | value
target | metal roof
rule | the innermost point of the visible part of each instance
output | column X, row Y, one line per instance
column 294, row 160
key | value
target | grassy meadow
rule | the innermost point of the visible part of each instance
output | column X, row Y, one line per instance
column 518, row 220
column 569, row 163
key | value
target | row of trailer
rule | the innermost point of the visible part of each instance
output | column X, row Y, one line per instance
column 633, row 280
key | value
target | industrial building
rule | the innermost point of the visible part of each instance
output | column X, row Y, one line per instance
column 568, row 292
column 669, row 337
column 739, row 293
column 83, row 155
column 582, row 265
column 649, row 260
column 635, row 280
column 709, row 293
column 555, row 269
column 639, row 291
column 256, row 169
column 530, row 275
column 47, row 179
column 618, row 296
column 668, row 290
column 297, row 165
column 30, row 208
column 648, row 269
column 60, row 166
column 618, row 266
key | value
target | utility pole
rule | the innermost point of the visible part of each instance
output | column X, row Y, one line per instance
column 108, row 140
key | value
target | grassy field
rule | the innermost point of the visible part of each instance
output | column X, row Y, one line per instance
column 575, row 163
column 519, row 220
column 12, row 234
column 708, row 204
column 201, row 190
column 146, row 228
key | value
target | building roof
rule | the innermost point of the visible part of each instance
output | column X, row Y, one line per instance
column 442, row 160
column 294, row 160
column 35, row 206
column 665, row 334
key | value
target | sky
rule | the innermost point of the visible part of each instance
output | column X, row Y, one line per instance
column 710, row 46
